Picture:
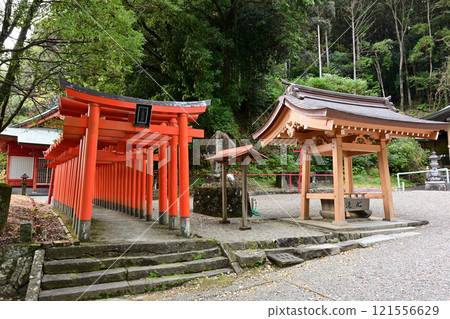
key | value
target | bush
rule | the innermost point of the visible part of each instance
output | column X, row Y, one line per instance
column 337, row 83
column 406, row 155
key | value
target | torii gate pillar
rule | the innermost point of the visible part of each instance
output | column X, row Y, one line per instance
column 90, row 160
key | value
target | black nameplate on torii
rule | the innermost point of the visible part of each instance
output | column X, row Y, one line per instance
column 142, row 115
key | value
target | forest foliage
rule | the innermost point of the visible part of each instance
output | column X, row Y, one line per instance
column 230, row 51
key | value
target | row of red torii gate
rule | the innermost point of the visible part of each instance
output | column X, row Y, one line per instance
column 105, row 156
column 110, row 144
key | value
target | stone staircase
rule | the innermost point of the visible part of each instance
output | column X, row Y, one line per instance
column 99, row 271
column 357, row 234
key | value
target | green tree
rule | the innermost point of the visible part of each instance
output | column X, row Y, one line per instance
column 89, row 42
column 220, row 50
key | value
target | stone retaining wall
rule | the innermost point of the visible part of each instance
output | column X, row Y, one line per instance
column 15, row 267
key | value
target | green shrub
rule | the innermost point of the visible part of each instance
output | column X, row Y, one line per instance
column 406, row 155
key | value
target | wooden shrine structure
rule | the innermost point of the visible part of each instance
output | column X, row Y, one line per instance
column 106, row 156
column 340, row 125
column 244, row 155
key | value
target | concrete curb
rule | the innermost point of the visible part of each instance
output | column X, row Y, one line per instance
column 36, row 274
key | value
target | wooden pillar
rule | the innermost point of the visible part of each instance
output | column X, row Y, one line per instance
column 385, row 182
column 173, row 178
column 35, row 172
column 448, row 137
column 306, row 179
column 89, row 172
column 149, row 208
column 162, row 190
column 116, row 186
column 134, row 188
column 129, row 184
column 142, row 179
column 348, row 167
column 50, row 189
column 244, row 198
column 8, row 163
column 138, row 185
column 123, row 193
column 338, row 182
column 184, row 177
column 224, row 195
column 79, row 186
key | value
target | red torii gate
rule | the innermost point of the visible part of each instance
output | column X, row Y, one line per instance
column 104, row 157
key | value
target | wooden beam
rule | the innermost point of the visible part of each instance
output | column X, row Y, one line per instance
column 320, row 196
column 324, row 149
column 374, row 195
column 77, row 125
column 360, row 147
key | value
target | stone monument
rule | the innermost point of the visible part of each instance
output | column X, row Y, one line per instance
column 434, row 180
column 5, row 198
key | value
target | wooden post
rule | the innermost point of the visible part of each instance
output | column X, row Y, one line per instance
column 385, row 182
column 50, row 190
column 137, row 212
column 129, row 182
column 448, row 138
column 89, row 172
column 305, row 187
column 173, row 178
column 338, row 182
column 8, row 163
column 162, row 198
column 185, row 224
column 149, row 207
column 35, row 172
column 244, row 198
column 143, row 190
column 348, row 167
column 133, row 186
column 224, row 195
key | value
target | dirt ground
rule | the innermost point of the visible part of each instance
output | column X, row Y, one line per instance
column 23, row 209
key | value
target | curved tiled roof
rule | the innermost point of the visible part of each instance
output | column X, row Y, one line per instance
column 67, row 85
column 317, row 103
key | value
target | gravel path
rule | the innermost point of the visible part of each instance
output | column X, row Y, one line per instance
column 410, row 268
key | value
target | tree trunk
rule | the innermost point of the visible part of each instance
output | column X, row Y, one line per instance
column 430, row 95
column 326, row 46
column 354, row 47
column 408, row 88
column 400, row 45
column 380, row 78
column 320, row 54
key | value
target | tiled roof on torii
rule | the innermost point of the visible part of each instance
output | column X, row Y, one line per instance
column 116, row 121
column 122, row 107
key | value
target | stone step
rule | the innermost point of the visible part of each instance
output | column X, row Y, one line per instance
column 105, row 290
column 80, row 279
column 80, row 265
column 372, row 240
column 54, row 281
column 135, row 261
column 375, row 239
column 351, row 235
column 177, row 268
column 127, row 249
column 315, row 251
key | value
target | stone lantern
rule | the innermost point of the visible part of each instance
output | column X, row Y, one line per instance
column 24, row 178
column 434, row 179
